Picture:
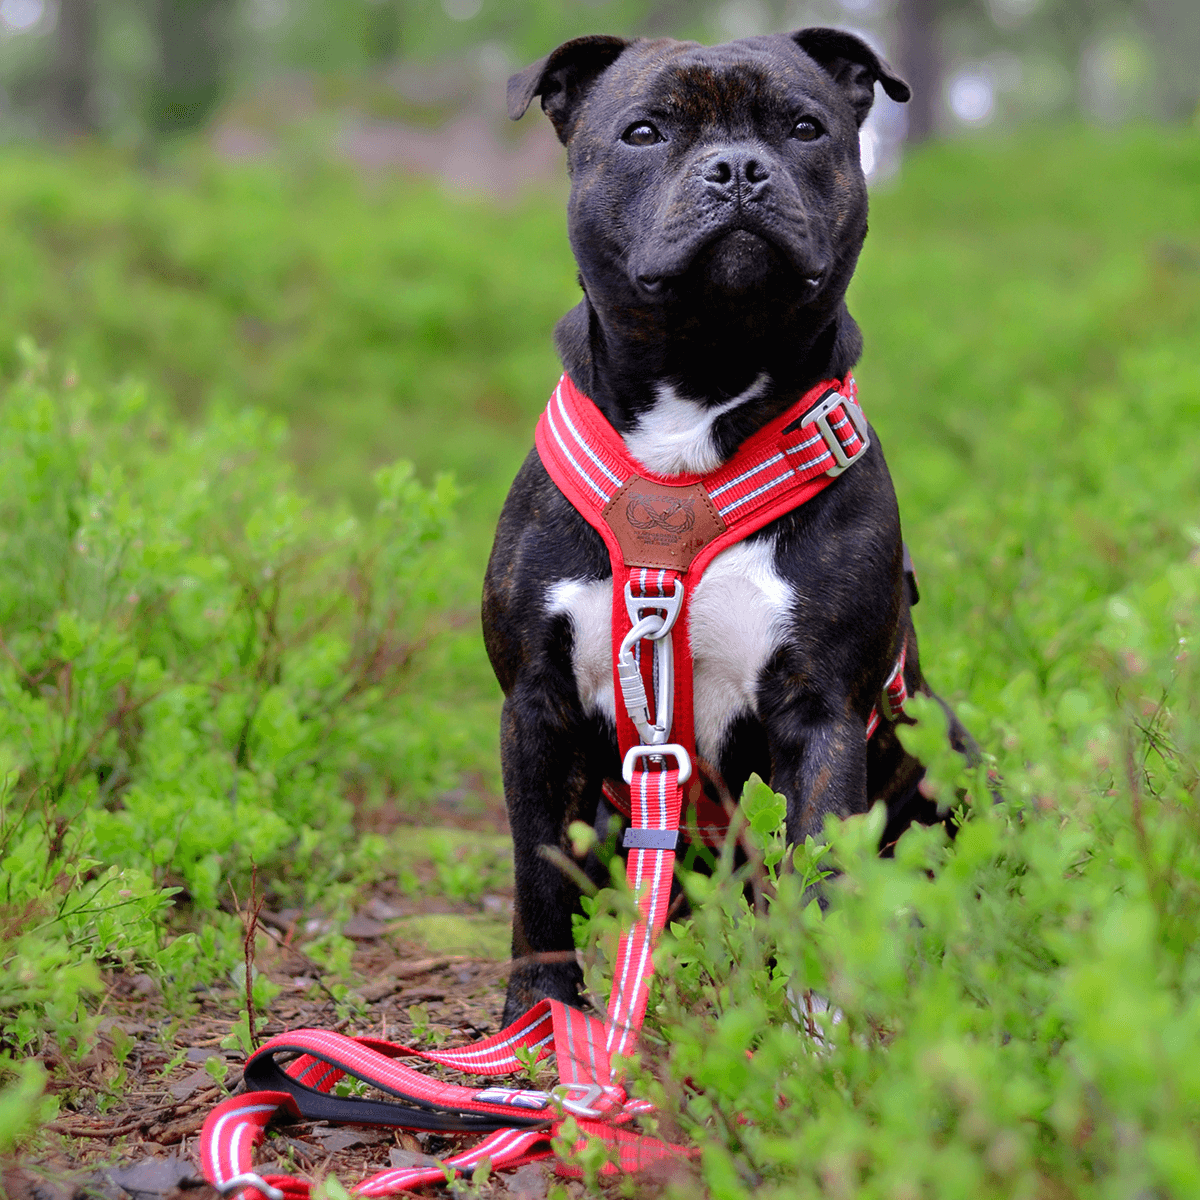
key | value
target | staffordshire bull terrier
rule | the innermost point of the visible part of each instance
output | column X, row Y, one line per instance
column 716, row 214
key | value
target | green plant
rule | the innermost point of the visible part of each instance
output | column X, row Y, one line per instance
column 1013, row 1011
column 23, row 1104
column 195, row 665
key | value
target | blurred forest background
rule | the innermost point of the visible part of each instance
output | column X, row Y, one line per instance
column 133, row 71
column 257, row 256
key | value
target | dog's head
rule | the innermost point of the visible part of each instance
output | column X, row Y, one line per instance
column 712, row 179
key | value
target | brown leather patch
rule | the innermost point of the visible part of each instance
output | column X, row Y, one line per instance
column 658, row 525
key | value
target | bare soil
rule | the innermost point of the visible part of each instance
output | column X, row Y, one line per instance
column 128, row 1130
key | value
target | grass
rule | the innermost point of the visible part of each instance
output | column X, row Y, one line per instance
column 1005, row 287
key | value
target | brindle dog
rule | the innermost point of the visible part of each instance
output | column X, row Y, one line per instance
column 717, row 212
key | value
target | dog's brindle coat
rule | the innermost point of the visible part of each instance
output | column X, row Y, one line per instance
column 717, row 211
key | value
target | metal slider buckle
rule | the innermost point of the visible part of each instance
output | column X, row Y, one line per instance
column 249, row 1179
column 669, row 606
column 819, row 416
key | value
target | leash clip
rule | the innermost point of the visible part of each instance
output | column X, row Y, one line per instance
column 633, row 688
column 653, row 618
column 819, row 416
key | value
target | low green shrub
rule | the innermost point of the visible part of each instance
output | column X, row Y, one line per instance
column 198, row 667
column 1013, row 1013
column 1017, row 1010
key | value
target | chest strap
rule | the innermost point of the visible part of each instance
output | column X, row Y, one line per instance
column 661, row 533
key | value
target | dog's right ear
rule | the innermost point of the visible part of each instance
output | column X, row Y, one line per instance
column 562, row 79
column 855, row 67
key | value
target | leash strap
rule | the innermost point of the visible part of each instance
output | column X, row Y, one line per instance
column 308, row 1064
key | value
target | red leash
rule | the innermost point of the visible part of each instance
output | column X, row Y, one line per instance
column 295, row 1072
column 661, row 533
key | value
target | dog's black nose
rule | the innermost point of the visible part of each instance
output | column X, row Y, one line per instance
column 736, row 166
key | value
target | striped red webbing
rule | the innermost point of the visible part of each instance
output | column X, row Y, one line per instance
column 658, row 798
column 579, row 447
column 321, row 1059
column 895, row 693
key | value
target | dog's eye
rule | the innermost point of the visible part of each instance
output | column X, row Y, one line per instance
column 642, row 134
column 807, row 130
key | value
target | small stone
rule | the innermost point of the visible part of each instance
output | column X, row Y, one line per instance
column 362, row 928
column 404, row 1159
column 529, row 1182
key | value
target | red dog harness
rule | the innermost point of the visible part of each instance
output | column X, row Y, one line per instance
column 661, row 533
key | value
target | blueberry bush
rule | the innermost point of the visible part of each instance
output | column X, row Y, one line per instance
column 220, row 639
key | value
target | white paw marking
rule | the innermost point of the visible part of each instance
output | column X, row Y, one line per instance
column 675, row 436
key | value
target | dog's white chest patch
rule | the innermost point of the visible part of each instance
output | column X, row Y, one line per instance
column 738, row 618
column 676, row 434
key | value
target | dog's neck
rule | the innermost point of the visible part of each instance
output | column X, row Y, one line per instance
column 685, row 403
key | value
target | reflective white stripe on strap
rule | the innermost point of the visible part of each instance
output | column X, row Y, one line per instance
column 231, row 1132
column 895, row 694
column 587, row 1094
column 657, row 798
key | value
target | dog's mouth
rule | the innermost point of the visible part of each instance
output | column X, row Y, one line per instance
column 733, row 264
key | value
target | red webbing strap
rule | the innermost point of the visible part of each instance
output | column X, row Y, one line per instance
column 658, row 797
column 237, row 1126
column 232, row 1131
column 323, row 1058
column 895, row 693
column 768, row 474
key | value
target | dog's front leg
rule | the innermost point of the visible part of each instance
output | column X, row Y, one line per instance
column 819, row 761
column 545, row 787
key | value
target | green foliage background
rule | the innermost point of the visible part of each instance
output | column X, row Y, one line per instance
column 1018, row 1012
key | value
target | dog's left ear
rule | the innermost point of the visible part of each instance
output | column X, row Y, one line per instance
column 563, row 78
column 854, row 66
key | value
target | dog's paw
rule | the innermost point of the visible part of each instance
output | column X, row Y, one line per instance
column 534, row 979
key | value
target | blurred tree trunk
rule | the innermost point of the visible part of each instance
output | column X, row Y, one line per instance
column 73, row 74
column 1175, row 27
column 194, row 47
column 920, row 62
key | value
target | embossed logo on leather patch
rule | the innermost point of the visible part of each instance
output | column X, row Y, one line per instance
column 658, row 525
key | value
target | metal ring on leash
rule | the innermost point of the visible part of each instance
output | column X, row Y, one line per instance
column 672, row 749
column 249, row 1179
